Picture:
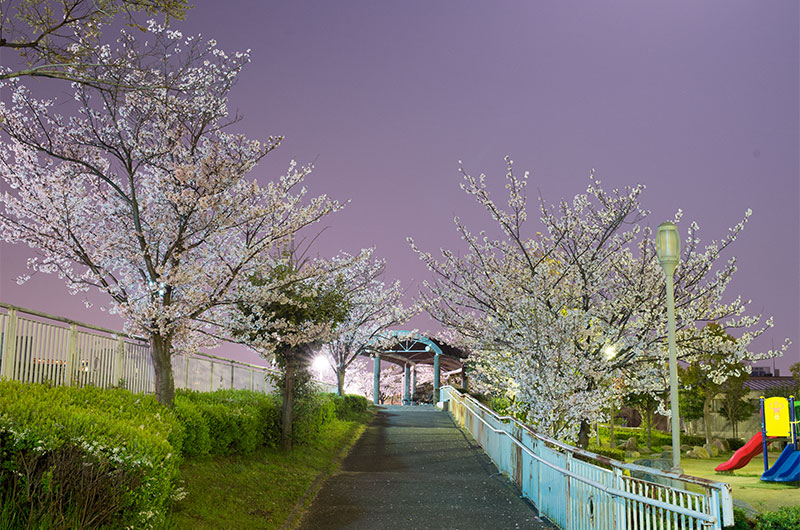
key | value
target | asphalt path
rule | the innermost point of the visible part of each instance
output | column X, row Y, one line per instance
column 413, row 468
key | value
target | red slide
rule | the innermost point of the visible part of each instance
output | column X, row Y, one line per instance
column 743, row 456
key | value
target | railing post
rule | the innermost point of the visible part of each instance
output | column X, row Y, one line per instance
column 72, row 354
column 118, row 370
column 9, row 345
column 211, row 378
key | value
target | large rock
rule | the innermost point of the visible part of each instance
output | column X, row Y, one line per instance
column 722, row 444
column 631, row 444
column 712, row 449
column 632, row 454
column 700, row 452
column 662, row 464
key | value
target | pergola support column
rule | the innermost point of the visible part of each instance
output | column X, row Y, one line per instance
column 376, row 380
column 413, row 381
column 436, row 379
column 407, row 385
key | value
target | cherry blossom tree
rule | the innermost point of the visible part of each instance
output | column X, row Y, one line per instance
column 569, row 319
column 145, row 196
column 373, row 307
column 57, row 39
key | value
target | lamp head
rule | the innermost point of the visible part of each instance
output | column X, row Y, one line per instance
column 668, row 245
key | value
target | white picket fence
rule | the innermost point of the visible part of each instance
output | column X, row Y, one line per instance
column 37, row 347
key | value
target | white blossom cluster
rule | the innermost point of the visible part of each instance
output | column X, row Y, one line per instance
column 565, row 321
column 374, row 307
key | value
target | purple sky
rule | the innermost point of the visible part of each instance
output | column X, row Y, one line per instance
column 697, row 100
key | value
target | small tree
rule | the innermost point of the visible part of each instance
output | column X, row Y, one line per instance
column 647, row 405
column 735, row 407
column 373, row 307
column 307, row 306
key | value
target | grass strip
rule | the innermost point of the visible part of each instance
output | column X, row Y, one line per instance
column 259, row 490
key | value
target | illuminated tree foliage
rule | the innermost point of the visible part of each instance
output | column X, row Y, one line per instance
column 145, row 196
column 569, row 320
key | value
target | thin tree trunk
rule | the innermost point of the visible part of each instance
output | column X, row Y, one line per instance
column 340, row 371
column 583, row 434
column 707, row 419
column 649, row 414
column 287, row 409
column 160, row 352
column 611, row 443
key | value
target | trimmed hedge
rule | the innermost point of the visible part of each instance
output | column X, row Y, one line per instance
column 227, row 421
column 85, row 457
column 88, row 457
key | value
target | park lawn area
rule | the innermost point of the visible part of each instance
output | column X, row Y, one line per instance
column 259, row 490
column 746, row 483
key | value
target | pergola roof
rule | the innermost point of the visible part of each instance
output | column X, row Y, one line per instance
column 415, row 348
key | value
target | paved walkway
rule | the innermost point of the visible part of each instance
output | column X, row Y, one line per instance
column 414, row 469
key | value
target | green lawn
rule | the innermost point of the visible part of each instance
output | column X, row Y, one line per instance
column 260, row 490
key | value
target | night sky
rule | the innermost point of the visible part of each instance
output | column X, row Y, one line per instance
column 697, row 100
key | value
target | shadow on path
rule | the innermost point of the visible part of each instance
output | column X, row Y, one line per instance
column 413, row 468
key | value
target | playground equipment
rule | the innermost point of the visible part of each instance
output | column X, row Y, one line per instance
column 778, row 421
column 779, row 418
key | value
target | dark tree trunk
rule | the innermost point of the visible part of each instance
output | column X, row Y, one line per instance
column 649, row 413
column 287, row 410
column 583, row 434
column 340, row 371
column 160, row 352
column 707, row 418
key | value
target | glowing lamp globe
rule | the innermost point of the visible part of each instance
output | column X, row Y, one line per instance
column 668, row 245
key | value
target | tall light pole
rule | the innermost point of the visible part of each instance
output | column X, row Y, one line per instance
column 668, row 248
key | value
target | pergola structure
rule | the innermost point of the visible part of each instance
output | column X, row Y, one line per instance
column 408, row 349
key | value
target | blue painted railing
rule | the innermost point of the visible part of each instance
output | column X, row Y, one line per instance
column 579, row 490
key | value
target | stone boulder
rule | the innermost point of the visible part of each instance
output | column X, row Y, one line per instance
column 712, row 449
column 662, row 464
column 722, row 445
column 686, row 447
column 631, row 444
column 632, row 454
column 700, row 452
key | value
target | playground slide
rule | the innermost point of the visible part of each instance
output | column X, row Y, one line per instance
column 743, row 456
column 786, row 468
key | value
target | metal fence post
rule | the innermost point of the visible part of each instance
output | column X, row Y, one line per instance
column 9, row 346
column 72, row 354
column 118, row 369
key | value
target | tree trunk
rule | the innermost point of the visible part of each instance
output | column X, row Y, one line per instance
column 611, row 443
column 707, row 418
column 160, row 353
column 583, row 434
column 340, row 370
column 649, row 414
column 287, row 409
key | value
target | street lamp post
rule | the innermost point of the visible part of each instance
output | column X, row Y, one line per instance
column 668, row 249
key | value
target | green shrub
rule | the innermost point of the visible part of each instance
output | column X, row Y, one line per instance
column 197, row 441
column 786, row 518
column 236, row 421
column 740, row 520
column 85, row 457
column 349, row 406
column 311, row 413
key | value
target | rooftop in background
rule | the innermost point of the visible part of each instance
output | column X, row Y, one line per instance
column 761, row 383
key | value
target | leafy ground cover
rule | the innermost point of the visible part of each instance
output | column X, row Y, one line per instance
column 258, row 490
